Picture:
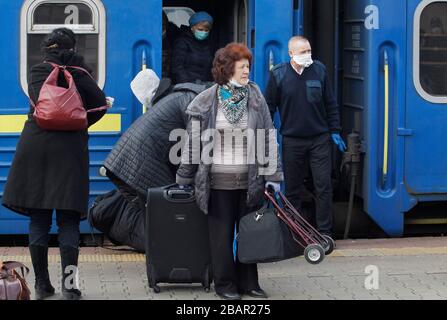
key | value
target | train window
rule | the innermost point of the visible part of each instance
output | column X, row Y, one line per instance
column 430, row 50
column 179, row 15
column 85, row 17
column 241, row 21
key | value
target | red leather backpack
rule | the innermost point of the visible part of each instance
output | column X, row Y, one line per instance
column 60, row 108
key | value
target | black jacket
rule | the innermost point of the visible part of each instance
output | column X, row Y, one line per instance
column 140, row 159
column 51, row 168
column 191, row 59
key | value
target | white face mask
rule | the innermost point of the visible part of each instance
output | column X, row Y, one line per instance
column 304, row 60
column 237, row 84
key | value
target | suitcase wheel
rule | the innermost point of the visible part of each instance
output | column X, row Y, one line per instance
column 156, row 289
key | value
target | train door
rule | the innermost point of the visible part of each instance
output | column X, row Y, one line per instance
column 272, row 23
column 426, row 111
column 264, row 26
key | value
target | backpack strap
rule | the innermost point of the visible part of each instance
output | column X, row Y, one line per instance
column 54, row 65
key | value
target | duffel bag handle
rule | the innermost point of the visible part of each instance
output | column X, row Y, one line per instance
column 11, row 265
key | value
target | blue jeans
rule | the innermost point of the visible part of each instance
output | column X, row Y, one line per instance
column 67, row 222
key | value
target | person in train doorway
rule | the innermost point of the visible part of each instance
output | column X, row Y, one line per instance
column 50, row 170
column 228, row 188
column 310, row 123
column 192, row 55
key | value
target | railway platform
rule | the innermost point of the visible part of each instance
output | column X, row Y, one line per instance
column 387, row 269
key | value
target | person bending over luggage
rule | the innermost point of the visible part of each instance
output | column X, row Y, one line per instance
column 50, row 170
column 140, row 158
column 230, row 184
column 192, row 55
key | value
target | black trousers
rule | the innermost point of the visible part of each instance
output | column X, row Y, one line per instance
column 318, row 150
column 226, row 208
column 67, row 222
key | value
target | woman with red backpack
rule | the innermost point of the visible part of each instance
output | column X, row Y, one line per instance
column 50, row 170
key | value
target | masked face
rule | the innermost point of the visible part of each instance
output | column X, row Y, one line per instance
column 301, row 53
column 201, row 30
column 304, row 60
column 201, row 35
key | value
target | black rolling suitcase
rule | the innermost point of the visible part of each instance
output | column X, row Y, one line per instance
column 177, row 242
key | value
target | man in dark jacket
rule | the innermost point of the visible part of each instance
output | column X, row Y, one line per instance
column 192, row 55
column 309, row 121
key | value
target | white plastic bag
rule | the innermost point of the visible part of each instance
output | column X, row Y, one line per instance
column 144, row 86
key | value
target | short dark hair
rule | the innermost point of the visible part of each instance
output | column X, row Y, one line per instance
column 59, row 39
column 225, row 60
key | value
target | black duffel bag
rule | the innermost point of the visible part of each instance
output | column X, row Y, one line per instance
column 263, row 238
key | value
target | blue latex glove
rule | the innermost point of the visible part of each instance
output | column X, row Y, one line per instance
column 276, row 186
column 339, row 142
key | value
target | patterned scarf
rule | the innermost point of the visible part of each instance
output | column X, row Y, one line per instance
column 233, row 102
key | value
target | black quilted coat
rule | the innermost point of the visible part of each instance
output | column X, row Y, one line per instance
column 140, row 159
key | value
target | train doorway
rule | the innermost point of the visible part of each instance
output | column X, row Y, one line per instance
column 230, row 22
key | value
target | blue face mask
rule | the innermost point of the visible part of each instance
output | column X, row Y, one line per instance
column 201, row 35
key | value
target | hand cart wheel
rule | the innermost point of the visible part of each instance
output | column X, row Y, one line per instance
column 314, row 253
column 328, row 245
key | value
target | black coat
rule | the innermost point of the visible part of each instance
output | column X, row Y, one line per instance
column 191, row 59
column 50, row 169
column 140, row 159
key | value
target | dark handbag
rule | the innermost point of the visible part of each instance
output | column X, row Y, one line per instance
column 12, row 285
column 263, row 238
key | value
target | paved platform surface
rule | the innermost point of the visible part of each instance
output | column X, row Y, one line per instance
column 389, row 269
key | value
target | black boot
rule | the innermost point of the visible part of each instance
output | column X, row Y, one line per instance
column 69, row 258
column 39, row 258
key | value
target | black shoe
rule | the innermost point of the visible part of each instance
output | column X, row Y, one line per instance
column 39, row 258
column 230, row 296
column 258, row 293
column 73, row 294
column 43, row 291
column 69, row 257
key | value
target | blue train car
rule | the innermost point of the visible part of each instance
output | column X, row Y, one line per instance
column 387, row 60
column 395, row 95
column 112, row 35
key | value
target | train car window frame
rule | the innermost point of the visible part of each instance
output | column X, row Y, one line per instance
column 97, row 27
column 417, row 54
column 237, row 6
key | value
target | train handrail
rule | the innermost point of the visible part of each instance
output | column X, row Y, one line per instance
column 386, row 116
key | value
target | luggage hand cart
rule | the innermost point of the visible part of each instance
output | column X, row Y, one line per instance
column 316, row 246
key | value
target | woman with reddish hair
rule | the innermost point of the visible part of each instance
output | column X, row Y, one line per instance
column 230, row 180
